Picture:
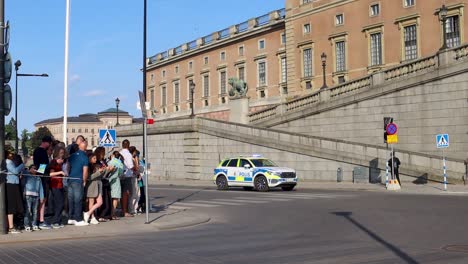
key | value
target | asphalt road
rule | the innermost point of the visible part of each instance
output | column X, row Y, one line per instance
column 304, row 226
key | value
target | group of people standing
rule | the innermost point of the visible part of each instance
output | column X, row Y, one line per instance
column 83, row 185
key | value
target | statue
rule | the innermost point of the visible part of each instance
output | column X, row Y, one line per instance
column 239, row 87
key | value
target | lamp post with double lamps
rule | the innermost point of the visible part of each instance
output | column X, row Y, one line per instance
column 443, row 18
column 192, row 91
column 117, row 102
column 323, row 57
column 17, row 65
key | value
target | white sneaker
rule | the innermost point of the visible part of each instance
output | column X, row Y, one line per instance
column 81, row 223
column 94, row 221
column 71, row 222
column 86, row 217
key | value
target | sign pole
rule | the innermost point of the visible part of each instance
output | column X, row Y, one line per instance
column 386, row 173
column 445, row 171
column 145, row 157
column 393, row 166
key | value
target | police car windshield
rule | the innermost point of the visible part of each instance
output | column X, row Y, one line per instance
column 263, row 163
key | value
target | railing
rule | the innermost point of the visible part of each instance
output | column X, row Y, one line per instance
column 461, row 52
column 350, row 86
column 207, row 39
column 225, row 33
column 263, row 20
column 192, row 45
column 221, row 35
column 242, row 27
column 262, row 114
column 410, row 68
column 303, row 101
column 178, row 50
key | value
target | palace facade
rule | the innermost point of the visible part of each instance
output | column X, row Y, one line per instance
column 309, row 45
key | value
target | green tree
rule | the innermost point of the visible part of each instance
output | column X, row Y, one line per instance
column 25, row 142
column 36, row 138
column 10, row 133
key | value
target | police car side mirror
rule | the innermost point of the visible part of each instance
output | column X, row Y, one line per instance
column 247, row 166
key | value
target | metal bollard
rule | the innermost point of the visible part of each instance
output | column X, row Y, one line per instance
column 339, row 175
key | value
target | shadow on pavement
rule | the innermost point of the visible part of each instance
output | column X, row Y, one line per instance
column 405, row 257
column 164, row 207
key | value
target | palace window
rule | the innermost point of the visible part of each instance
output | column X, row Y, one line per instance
column 176, row 93
column 222, row 80
column 206, row 85
column 306, row 28
column 410, row 42
column 261, row 44
column 262, row 73
column 340, row 56
column 374, row 10
column 452, row 31
column 307, row 62
column 283, row 70
column 339, row 19
column 376, row 48
column 408, row 3
column 241, row 73
column 163, row 96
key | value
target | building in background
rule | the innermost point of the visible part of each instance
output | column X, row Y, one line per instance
column 87, row 125
column 279, row 54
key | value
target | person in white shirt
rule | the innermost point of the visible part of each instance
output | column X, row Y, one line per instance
column 127, row 181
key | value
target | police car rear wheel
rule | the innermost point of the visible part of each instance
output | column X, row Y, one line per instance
column 221, row 183
column 261, row 184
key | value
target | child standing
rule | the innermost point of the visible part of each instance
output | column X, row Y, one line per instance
column 33, row 192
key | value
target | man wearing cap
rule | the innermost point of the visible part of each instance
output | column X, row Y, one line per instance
column 41, row 157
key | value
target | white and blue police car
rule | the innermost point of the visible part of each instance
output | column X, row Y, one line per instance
column 253, row 172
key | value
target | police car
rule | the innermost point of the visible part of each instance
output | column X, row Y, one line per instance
column 254, row 172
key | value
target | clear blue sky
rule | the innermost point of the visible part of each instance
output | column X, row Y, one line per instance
column 105, row 47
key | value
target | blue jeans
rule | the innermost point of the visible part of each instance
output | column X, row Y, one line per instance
column 75, row 203
column 30, row 214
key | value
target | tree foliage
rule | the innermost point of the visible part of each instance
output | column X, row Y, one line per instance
column 10, row 133
column 26, row 142
column 36, row 138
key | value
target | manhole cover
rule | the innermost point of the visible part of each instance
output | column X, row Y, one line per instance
column 456, row 248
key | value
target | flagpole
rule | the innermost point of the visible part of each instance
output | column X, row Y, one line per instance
column 65, row 81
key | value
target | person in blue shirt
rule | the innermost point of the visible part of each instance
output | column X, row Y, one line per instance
column 13, row 193
column 78, row 176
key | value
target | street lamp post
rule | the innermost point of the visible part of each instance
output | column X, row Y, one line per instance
column 324, row 64
column 17, row 65
column 443, row 18
column 192, row 91
column 117, row 102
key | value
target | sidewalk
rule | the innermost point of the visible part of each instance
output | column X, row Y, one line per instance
column 407, row 187
column 162, row 220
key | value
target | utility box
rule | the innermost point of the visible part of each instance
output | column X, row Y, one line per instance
column 360, row 175
column 339, row 175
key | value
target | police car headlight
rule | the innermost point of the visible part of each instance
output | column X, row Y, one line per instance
column 273, row 181
column 274, row 173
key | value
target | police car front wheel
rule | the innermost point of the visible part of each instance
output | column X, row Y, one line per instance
column 221, row 183
column 261, row 184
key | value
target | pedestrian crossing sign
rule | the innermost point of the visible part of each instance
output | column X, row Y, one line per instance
column 107, row 137
column 442, row 140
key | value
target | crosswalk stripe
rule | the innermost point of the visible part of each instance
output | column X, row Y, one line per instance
column 215, row 202
column 175, row 207
column 267, row 199
column 243, row 200
column 197, row 204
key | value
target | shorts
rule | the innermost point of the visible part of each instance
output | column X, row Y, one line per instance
column 46, row 186
column 127, row 185
column 14, row 199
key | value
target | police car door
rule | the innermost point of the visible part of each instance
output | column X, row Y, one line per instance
column 245, row 172
column 232, row 171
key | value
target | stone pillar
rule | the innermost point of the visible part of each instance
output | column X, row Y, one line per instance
column 199, row 42
column 233, row 30
column 239, row 110
column 252, row 23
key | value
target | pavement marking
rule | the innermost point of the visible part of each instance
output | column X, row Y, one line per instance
column 215, row 202
column 179, row 207
column 197, row 204
column 273, row 199
column 243, row 200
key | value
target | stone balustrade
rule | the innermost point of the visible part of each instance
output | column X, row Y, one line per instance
column 461, row 52
column 262, row 114
column 302, row 102
column 351, row 86
column 241, row 28
column 411, row 68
